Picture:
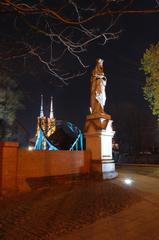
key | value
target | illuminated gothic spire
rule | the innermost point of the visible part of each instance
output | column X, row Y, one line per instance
column 41, row 108
column 51, row 108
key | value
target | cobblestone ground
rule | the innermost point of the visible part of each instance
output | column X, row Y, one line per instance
column 53, row 212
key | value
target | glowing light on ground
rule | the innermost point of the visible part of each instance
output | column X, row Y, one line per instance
column 128, row 181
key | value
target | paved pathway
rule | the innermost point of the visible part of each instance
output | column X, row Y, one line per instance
column 85, row 209
column 138, row 222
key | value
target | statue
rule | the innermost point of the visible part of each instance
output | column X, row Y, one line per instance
column 98, row 84
column 98, row 127
column 97, row 119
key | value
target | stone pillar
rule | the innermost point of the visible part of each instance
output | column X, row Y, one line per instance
column 99, row 134
column 8, row 167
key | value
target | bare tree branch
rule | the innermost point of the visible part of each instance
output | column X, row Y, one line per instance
column 30, row 9
column 53, row 33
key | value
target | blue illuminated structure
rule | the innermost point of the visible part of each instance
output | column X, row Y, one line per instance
column 77, row 144
column 46, row 128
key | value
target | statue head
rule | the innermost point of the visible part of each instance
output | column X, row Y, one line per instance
column 99, row 67
column 100, row 62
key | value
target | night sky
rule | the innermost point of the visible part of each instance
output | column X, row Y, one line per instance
column 121, row 63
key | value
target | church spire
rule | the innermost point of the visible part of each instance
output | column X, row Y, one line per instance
column 51, row 108
column 41, row 108
column 51, row 120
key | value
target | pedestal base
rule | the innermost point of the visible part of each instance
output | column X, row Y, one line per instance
column 99, row 134
column 103, row 169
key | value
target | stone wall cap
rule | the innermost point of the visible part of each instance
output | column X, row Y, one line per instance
column 9, row 144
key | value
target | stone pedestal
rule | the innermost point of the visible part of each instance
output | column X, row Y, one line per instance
column 99, row 134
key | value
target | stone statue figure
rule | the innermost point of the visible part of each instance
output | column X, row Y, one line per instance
column 98, row 84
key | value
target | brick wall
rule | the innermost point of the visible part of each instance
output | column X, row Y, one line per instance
column 18, row 165
column 8, row 166
column 50, row 163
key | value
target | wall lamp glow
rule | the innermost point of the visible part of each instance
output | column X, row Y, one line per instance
column 30, row 148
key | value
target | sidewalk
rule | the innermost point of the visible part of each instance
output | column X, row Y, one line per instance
column 138, row 222
column 85, row 209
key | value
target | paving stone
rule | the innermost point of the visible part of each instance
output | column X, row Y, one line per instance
column 83, row 209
